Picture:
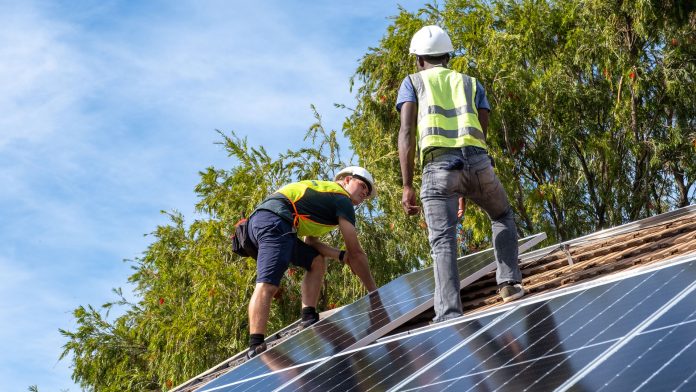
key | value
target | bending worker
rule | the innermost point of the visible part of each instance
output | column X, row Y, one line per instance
column 307, row 209
column 445, row 113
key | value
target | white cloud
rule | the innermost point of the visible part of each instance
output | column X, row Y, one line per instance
column 41, row 77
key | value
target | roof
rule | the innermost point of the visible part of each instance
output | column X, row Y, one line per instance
column 554, row 269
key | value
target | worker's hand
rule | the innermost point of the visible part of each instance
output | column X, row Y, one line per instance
column 408, row 201
column 346, row 259
column 462, row 207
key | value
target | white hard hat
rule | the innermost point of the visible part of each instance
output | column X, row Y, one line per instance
column 361, row 174
column 431, row 41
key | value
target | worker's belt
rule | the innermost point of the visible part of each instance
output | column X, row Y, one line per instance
column 466, row 151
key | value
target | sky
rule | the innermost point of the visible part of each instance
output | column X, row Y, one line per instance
column 108, row 111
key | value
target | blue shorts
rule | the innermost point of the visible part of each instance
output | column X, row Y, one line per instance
column 278, row 246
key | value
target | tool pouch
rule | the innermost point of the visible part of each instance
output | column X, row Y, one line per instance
column 241, row 243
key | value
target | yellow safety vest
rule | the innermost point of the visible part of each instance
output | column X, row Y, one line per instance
column 447, row 114
column 303, row 223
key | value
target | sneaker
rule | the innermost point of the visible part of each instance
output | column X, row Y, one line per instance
column 256, row 350
column 308, row 323
column 510, row 291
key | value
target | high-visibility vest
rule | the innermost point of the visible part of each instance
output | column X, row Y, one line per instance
column 303, row 223
column 447, row 114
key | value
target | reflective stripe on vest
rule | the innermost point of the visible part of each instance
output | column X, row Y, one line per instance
column 302, row 222
column 447, row 115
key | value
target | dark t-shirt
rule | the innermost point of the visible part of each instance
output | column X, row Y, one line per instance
column 321, row 207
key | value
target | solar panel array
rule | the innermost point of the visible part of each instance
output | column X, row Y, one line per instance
column 634, row 333
column 355, row 325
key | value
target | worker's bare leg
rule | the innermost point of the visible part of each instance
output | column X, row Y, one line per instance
column 260, row 307
column 312, row 281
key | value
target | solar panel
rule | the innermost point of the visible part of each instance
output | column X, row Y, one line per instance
column 386, row 363
column 265, row 382
column 539, row 344
column 361, row 322
column 549, row 344
column 657, row 359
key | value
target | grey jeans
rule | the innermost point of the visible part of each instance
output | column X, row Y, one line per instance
column 445, row 178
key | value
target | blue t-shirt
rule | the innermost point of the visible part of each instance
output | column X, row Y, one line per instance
column 408, row 94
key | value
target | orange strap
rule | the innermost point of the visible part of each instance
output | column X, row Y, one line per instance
column 297, row 215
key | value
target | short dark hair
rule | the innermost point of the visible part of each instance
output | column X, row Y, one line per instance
column 438, row 58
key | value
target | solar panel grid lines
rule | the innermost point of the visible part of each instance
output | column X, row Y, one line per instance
column 511, row 359
column 653, row 346
column 547, row 362
column 660, row 357
column 642, row 326
column 346, row 369
column 520, row 353
column 450, row 351
column 651, row 361
column 264, row 382
column 586, row 344
column 610, row 325
column 438, row 384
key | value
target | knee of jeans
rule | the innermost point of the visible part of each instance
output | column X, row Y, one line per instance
column 443, row 243
column 505, row 216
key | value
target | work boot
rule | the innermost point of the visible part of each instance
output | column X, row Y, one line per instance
column 308, row 322
column 510, row 291
column 255, row 350
column 309, row 316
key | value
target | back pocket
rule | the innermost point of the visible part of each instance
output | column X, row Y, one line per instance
column 487, row 181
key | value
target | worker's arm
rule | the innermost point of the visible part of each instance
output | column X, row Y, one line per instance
column 407, row 152
column 356, row 257
column 483, row 115
column 323, row 249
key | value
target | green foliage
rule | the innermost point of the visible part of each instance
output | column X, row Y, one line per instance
column 593, row 124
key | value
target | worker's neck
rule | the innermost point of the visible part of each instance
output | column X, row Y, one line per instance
column 427, row 65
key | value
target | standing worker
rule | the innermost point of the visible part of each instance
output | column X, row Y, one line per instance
column 307, row 209
column 445, row 113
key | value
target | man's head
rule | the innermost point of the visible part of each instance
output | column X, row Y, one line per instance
column 432, row 46
column 358, row 182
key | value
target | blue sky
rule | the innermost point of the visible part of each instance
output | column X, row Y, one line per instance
column 108, row 110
